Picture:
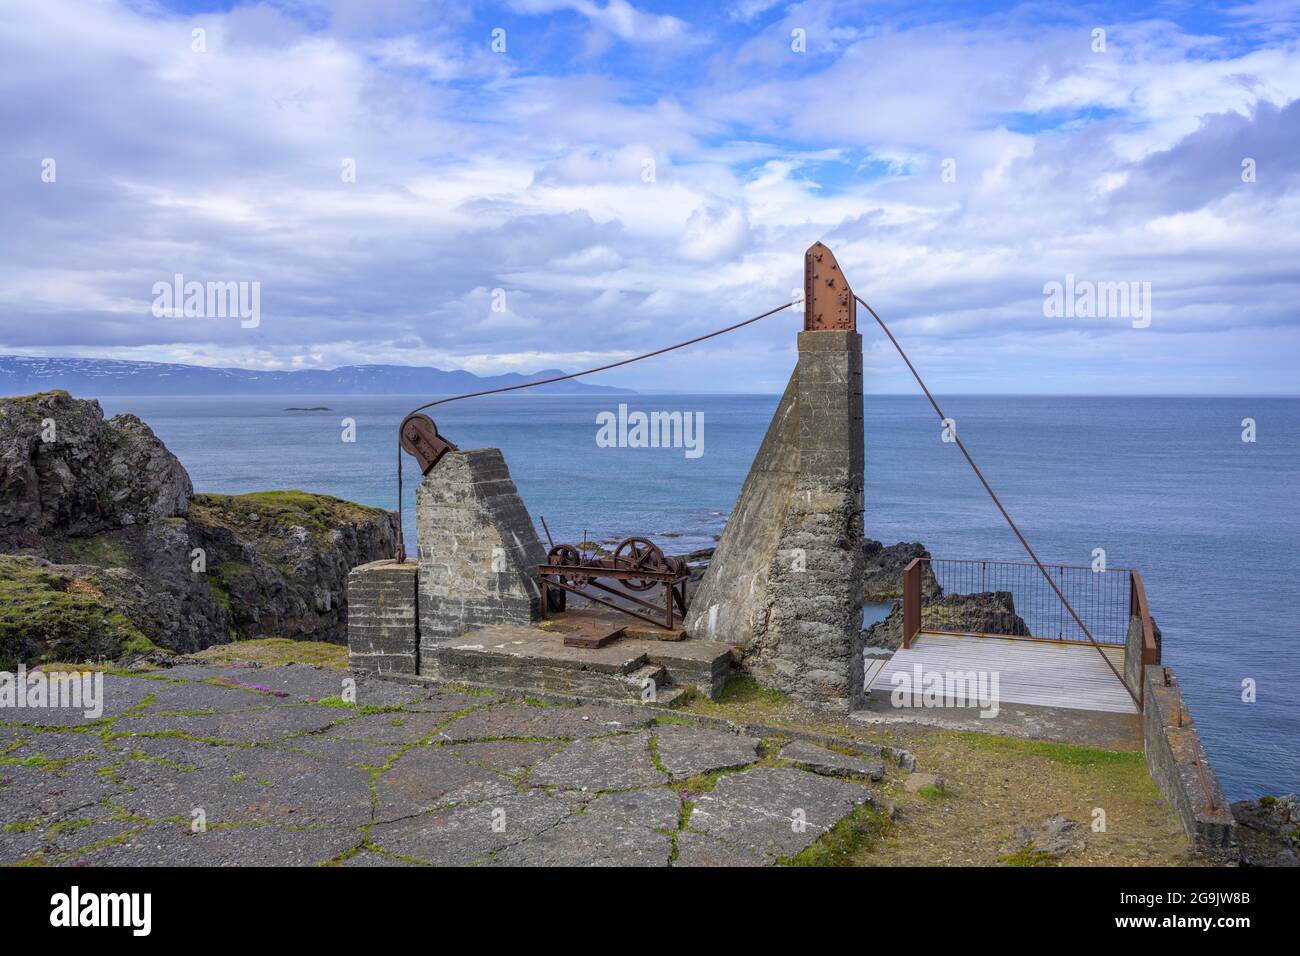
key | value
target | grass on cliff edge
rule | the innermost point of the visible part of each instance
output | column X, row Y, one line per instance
column 320, row 515
column 273, row 651
column 992, row 785
column 50, row 617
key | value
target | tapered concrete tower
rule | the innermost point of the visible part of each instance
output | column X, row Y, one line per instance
column 786, row 582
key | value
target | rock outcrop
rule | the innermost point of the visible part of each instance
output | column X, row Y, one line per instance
column 1268, row 830
column 985, row 612
column 884, row 574
column 112, row 549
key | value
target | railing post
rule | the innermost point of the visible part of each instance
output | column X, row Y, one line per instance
column 911, row 601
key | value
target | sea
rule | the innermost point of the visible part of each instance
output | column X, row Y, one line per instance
column 1164, row 485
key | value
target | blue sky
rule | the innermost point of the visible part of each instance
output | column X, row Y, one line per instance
column 627, row 174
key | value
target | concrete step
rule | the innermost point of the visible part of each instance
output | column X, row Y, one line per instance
column 531, row 659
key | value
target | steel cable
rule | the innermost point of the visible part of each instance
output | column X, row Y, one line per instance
column 401, row 544
column 987, row 487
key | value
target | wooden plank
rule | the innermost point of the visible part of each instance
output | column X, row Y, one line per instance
column 593, row 636
column 1070, row 676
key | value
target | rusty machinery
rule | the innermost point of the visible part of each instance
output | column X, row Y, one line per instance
column 637, row 565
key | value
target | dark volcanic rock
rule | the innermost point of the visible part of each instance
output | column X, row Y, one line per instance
column 884, row 571
column 989, row 612
column 65, row 472
column 117, row 550
column 1268, row 830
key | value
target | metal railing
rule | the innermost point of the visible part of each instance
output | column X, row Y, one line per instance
column 1013, row 599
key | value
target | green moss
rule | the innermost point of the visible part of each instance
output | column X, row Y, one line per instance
column 68, row 826
column 336, row 701
column 46, row 616
column 654, row 757
column 220, row 593
column 102, row 551
column 842, row 843
column 669, row 719
column 743, row 689
column 468, row 691
column 1069, row 754
column 931, row 792
column 320, row 515
column 273, row 651
column 1029, row 856
column 28, row 405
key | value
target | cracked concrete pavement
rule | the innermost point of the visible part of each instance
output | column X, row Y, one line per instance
column 226, row 766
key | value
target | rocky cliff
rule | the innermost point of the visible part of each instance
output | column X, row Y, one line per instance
column 104, row 547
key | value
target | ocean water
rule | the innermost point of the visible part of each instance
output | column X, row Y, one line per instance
column 1165, row 485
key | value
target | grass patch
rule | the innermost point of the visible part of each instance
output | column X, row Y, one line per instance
column 1028, row 857
column 338, row 702
column 320, row 515
column 272, row 651
column 842, row 843
column 1069, row 754
column 101, row 551
column 742, row 698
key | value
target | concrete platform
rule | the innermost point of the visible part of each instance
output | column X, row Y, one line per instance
column 536, row 659
column 1046, row 690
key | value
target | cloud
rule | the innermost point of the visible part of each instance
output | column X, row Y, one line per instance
column 633, row 197
column 616, row 17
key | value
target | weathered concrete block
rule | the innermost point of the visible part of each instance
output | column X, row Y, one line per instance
column 1179, row 766
column 383, row 622
column 478, row 552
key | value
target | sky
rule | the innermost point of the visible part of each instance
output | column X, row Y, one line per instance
column 507, row 187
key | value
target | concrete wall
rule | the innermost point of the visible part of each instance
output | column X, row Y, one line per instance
column 383, row 624
column 1179, row 766
column 478, row 549
column 731, row 602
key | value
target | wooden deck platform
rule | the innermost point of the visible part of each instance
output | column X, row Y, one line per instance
column 1036, row 672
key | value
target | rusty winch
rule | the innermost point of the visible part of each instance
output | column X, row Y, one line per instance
column 637, row 565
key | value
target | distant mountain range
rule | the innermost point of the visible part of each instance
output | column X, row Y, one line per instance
column 94, row 377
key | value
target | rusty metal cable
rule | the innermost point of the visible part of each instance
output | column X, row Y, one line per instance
column 401, row 544
column 987, row 487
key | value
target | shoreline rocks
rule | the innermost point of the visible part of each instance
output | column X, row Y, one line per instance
column 1268, row 830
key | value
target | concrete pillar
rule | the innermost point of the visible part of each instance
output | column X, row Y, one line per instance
column 812, row 646
column 383, row 626
column 478, row 550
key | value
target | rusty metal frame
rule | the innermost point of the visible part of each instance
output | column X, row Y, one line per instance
column 672, row 582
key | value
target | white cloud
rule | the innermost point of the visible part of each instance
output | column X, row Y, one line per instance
column 527, row 172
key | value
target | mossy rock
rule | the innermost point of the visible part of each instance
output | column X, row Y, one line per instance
column 49, row 616
column 101, row 551
column 273, row 512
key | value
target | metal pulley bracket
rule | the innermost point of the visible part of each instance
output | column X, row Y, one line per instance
column 829, row 303
column 421, row 440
